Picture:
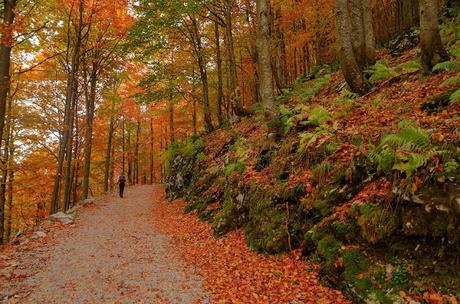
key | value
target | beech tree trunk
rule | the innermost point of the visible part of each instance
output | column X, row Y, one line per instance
column 233, row 78
column 357, row 33
column 136, row 152
column 171, row 118
column 264, row 59
column 5, row 167
column 90, row 105
column 152, row 163
column 203, row 74
column 220, row 88
column 109, row 146
column 369, row 37
column 128, row 142
column 353, row 74
column 6, row 45
column 68, row 119
column 433, row 51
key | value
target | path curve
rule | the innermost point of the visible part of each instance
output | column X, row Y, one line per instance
column 112, row 255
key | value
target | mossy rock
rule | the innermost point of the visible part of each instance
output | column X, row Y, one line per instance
column 266, row 230
column 376, row 222
column 234, row 212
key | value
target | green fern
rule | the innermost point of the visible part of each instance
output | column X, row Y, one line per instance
column 409, row 67
column 406, row 151
column 447, row 66
column 455, row 97
column 454, row 81
column 319, row 116
column 381, row 71
column 313, row 88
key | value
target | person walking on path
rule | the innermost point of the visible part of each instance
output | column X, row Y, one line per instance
column 121, row 183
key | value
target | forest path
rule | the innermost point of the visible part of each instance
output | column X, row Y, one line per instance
column 113, row 254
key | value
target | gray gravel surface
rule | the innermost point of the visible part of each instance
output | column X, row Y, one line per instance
column 112, row 255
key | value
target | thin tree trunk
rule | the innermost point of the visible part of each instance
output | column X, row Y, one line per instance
column 152, row 164
column 234, row 92
column 109, row 146
column 10, row 196
column 203, row 74
column 171, row 118
column 90, row 105
column 433, row 51
column 136, row 152
column 220, row 89
column 70, row 95
column 123, row 148
column 5, row 163
column 112, row 168
column 68, row 178
column 130, row 171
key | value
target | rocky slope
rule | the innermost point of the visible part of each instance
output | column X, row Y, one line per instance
column 367, row 186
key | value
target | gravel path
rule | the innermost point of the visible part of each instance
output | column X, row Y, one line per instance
column 112, row 255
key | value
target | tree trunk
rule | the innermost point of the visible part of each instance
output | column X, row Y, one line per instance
column 136, row 152
column 171, row 118
column 369, row 37
column 130, row 171
column 68, row 177
column 10, row 196
column 203, row 74
column 152, row 164
column 90, row 105
column 109, row 146
column 193, row 103
column 357, row 32
column 6, row 44
column 264, row 61
column 350, row 68
column 234, row 92
column 68, row 120
column 220, row 89
column 123, row 147
column 433, row 51
column 112, row 168
column 5, row 165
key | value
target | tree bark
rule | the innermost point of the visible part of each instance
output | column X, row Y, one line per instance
column 68, row 120
column 203, row 75
column 109, row 146
column 152, row 164
column 128, row 142
column 233, row 78
column 264, row 60
column 6, row 45
column 5, row 164
column 220, row 89
column 171, row 118
column 369, row 37
column 136, row 152
column 350, row 68
column 433, row 51
column 90, row 106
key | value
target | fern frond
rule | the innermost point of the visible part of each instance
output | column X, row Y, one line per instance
column 455, row 97
column 447, row 65
column 454, row 81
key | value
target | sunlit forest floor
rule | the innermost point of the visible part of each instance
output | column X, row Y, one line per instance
column 132, row 251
